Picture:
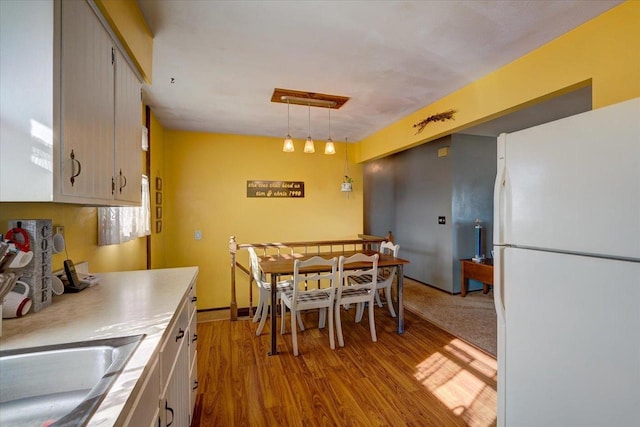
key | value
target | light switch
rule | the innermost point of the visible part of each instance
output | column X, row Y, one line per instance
column 197, row 235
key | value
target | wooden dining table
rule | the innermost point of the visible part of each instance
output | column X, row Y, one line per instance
column 282, row 265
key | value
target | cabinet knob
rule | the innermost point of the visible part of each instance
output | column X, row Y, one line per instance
column 180, row 334
column 195, row 338
column 195, row 384
column 194, row 299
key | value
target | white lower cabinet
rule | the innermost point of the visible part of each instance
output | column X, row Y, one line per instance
column 167, row 397
column 193, row 354
column 146, row 411
column 174, row 373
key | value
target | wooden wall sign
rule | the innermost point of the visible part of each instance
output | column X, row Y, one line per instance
column 275, row 189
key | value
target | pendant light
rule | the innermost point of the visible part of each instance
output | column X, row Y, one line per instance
column 288, row 142
column 308, row 145
column 329, row 148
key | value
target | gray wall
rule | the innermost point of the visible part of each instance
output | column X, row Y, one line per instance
column 407, row 192
column 473, row 175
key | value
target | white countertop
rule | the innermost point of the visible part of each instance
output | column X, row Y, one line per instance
column 122, row 304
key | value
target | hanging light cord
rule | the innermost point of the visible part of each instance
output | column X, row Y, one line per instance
column 346, row 159
column 309, row 120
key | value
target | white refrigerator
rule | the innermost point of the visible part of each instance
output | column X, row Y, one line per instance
column 567, row 271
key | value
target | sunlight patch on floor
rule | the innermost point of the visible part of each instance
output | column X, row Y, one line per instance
column 457, row 377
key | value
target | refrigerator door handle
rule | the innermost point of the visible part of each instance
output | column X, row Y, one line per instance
column 499, row 193
column 498, row 286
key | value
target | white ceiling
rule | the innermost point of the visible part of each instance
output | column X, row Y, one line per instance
column 390, row 57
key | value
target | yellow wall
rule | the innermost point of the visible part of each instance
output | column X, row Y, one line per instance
column 205, row 184
column 603, row 52
column 125, row 18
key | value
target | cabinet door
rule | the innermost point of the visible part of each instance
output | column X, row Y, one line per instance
column 175, row 403
column 146, row 411
column 128, row 133
column 87, row 104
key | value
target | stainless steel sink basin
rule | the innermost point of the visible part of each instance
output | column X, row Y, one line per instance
column 63, row 383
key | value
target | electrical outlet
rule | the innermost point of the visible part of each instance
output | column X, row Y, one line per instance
column 58, row 229
column 197, row 235
column 442, row 220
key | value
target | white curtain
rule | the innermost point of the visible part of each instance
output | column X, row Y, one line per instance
column 120, row 224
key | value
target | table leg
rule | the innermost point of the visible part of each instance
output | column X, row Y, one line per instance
column 400, row 301
column 274, row 314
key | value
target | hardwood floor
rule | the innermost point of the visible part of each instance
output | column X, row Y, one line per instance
column 425, row 377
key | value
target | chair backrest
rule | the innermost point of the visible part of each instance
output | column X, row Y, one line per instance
column 367, row 266
column 389, row 248
column 326, row 279
column 255, row 267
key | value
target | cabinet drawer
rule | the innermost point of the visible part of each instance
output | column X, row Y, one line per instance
column 177, row 336
column 193, row 339
column 192, row 299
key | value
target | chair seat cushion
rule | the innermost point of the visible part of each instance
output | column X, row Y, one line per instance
column 308, row 296
column 282, row 286
column 348, row 292
column 366, row 278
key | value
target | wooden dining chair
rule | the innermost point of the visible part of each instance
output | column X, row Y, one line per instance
column 302, row 298
column 386, row 276
column 360, row 292
column 264, row 288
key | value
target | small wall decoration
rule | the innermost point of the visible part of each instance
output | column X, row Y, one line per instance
column 440, row 117
column 275, row 189
column 158, row 204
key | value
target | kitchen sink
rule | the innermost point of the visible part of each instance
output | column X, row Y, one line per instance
column 60, row 385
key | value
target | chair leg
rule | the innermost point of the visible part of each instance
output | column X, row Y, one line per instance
column 372, row 323
column 387, row 295
column 300, row 320
column 339, row 326
column 332, row 342
column 359, row 311
column 322, row 317
column 259, row 308
column 283, row 309
column 294, row 334
column 378, row 299
column 263, row 318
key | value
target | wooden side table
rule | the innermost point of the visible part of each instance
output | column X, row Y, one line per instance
column 480, row 271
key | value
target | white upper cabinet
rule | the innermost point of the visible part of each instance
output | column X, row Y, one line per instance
column 70, row 108
column 128, row 133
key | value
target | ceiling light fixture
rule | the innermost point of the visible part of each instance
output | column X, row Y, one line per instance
column 288, row 142
column 329, row 148
column 308, row 145
column 310, row 99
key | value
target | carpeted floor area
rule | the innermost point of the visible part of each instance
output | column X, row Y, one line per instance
column 472, row 318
